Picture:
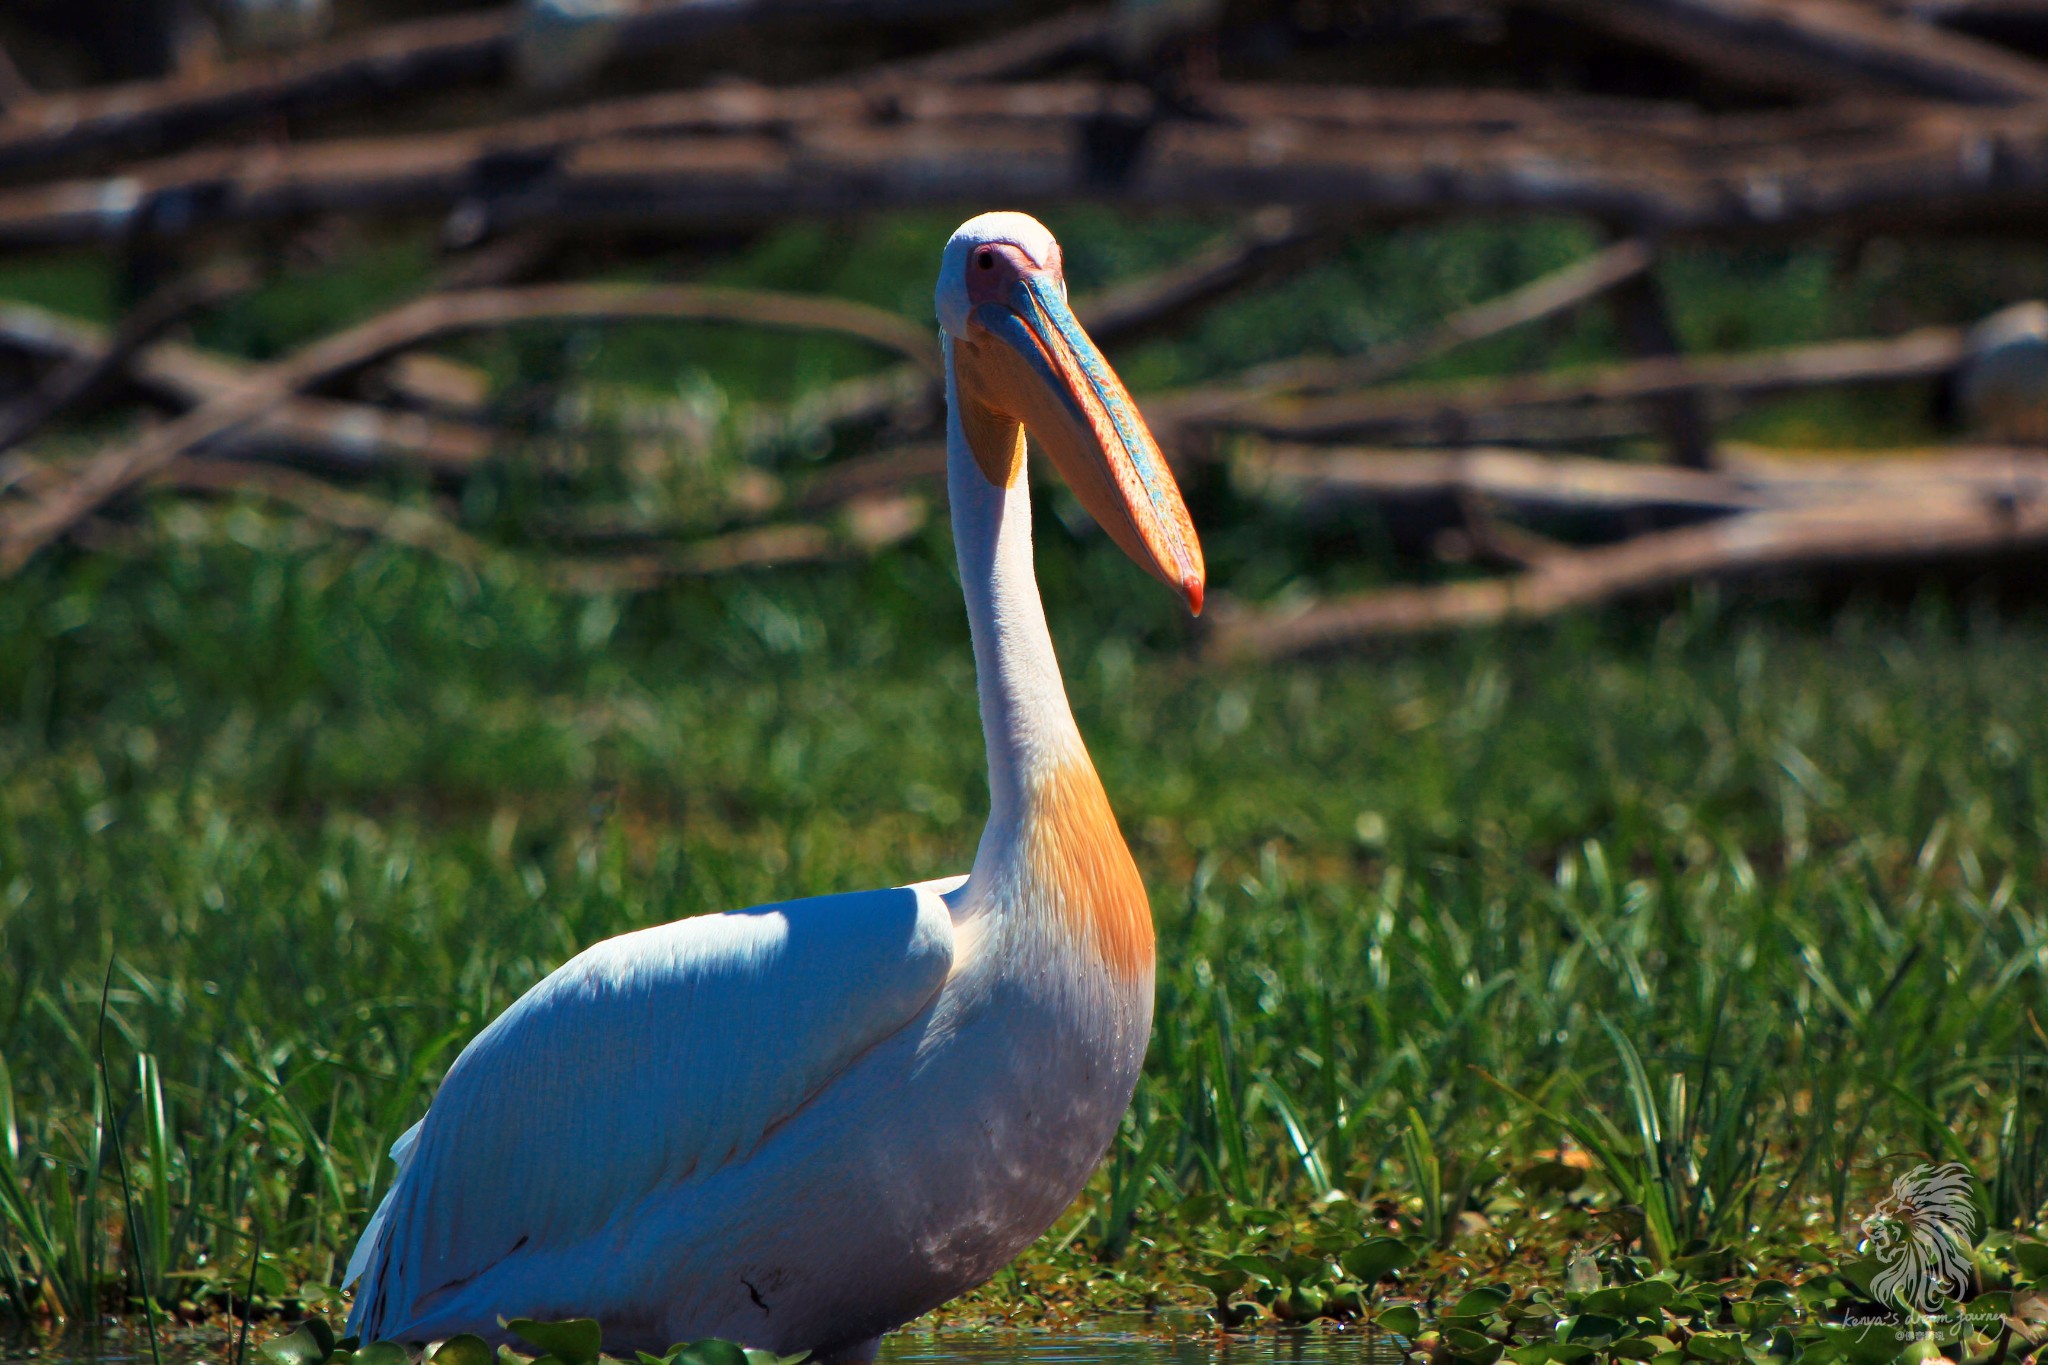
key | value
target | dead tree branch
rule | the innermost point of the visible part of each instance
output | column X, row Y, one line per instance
column 1552, row 295
column 743, row 156
column 863, row 528
column 322, row 431
column 1861, row 513
column 1488, row 410
column 88, row 373
column 14, row 89
column 1803, row 46
column 25, row 530
column 423, row 55
column 1321, row 478
column 1273, row 241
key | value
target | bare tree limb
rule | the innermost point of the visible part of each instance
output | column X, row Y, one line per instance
column 1553, row 294
column 1021, row 51
column 1910, row 515
column 1645, row 317
column 426, row 54
column 25, row 530
column 1273, row 241
column 1323, row 477
column 87, row 374
column 14, row 89
column 1798, row 46
column 1483, row 410
column 887, row 471
column 322, row 431
column 863, row 528
column 745, row 156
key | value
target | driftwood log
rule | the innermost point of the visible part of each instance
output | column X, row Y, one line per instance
column 1809, row 47
column 1783, row 517
column 324, row 432
column 748, row 155
column 429, row 54
column 860, row 527
column 1525, row 407
column 26, row 529
column 90, row 371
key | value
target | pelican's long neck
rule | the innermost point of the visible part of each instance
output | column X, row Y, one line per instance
column 1052, row 855
column 1025, row 719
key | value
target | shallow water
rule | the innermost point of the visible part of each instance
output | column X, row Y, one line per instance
column 1135, row 1343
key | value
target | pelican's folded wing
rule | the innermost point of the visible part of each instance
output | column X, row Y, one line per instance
column 651, row 1059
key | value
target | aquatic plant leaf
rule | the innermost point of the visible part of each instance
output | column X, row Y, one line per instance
column 466, row 1349
column 1860, row 1273
column 1871, row 1343
column 1478, row 1303
column 1552, row 1353
column 383, row 1353
column 310, row 1343
column 756, row 1356
column 1593, row 1329
column 1376, row 1258
column 710, row 1351
column 2032, row 1259
column 1267, row 1269
column 1402, row 1320
column 573, row 1341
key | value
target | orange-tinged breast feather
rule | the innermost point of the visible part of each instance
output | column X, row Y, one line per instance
column 1079, row 856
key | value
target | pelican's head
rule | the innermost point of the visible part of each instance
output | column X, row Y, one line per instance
column 1022, row 363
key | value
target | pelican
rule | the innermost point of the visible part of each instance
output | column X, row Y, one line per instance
column 800, row 1125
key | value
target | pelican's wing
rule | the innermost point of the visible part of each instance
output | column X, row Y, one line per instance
column 650, row 1060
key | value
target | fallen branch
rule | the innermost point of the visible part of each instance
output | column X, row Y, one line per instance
column 1273, row 241
column 1490, row 410
column 325, row 432
column 861, row 529
column 1022, row 51
column 428, row 54
column 743, row 156
column 14, row 89
column 27, row 529
column 889, row 471
column 88, row 373
column 1835, row 46
column 1917, row 515
column 1553, row 294
column 1322, row 480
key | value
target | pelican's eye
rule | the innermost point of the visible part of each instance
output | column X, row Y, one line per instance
column 986, row 259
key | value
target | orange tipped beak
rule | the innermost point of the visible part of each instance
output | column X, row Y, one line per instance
column 1030, row 363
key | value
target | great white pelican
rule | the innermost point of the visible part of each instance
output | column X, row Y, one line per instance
column 801, row 1125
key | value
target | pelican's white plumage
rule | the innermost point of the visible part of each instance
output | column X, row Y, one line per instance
column 800, row 1125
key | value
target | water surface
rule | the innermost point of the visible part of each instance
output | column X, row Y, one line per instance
column 1136, row 1343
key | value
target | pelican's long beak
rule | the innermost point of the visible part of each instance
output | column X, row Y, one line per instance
column 1028, row 362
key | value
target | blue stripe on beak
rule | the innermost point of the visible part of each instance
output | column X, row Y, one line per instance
column 1052, row 312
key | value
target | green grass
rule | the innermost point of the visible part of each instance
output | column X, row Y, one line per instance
column 1747, row 901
